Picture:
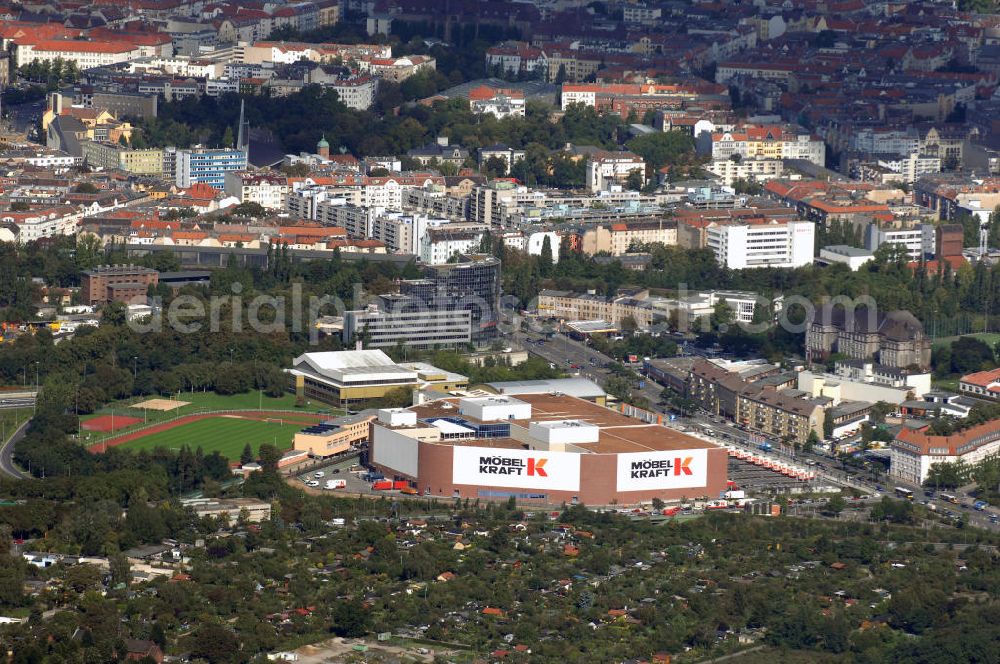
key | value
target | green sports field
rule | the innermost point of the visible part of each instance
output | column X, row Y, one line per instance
column 199, row 402
column 227, row 435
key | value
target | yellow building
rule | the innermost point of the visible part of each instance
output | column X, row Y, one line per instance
column 142, row 162
column 333, row 437
column 356, row 376
column 113, row 156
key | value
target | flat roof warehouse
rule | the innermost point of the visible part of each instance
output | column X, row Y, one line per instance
column 617, row 433
column 549, row 448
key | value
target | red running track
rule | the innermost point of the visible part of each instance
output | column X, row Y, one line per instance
column 305, row 419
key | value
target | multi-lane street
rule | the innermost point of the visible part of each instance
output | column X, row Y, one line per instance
column 580, row 359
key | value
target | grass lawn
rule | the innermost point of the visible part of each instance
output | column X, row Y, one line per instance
column 12, row 418
column 950, row 384
column 199, row 403
column 989, row 338
column 228, row 436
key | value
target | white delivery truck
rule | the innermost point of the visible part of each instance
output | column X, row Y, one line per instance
column 336, row 484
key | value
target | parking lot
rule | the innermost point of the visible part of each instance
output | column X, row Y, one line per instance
column 757, row 478
column 337, row 468
column 347, row 468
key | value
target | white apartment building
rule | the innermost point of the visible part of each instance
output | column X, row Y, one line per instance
column 760, row 170
column 605, row 169
column 873, row 140
column 852, row 257
column 912, row 167
column 535, row 240
column 403, row 233
column 913, row 452
column 765, row 142
column 86, row 54
column 357, row 93
column 356, row 220
column 741, row 246
column 38, row 224
column 742, row 303
column 501, row 104
column 911, row 239
column 268, row 190
column 440, row 244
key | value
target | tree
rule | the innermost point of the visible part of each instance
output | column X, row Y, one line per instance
column 812, row 439
column 216, row 644
column 947, row 475
column 635, row 180
column 662, row 149
column 969, row 354
column 121, row 571
column 86, row 188
column 495, row 167
column 269, row 456
column 227, row 138
column 350, row 619
column 249, row 209
column 114, row 313
column 247, row 455
column 545, row 257
column 836, row 505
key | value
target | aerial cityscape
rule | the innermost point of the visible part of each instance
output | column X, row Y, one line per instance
column 500, row 331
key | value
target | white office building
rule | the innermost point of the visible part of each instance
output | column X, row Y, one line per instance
column 416, row 326
column 740, row 246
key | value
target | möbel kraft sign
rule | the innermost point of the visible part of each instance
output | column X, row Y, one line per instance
column 653, row 471
column 518, row 469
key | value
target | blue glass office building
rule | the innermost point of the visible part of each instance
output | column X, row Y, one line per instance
column 208, row 166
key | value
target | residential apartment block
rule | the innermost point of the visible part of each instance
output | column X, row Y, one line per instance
column 605, row 169
column 769, row 409
column 267, row 189
column 913, row 452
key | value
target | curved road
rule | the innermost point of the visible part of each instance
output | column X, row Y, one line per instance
column 7, row 466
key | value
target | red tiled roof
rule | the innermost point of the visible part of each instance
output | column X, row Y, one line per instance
column 78, row 46
column 982, row 378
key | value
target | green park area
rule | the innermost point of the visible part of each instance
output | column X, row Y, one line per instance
column 989, row 338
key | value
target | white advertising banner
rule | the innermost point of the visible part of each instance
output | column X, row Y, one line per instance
column 516, row 469
column 657, row 471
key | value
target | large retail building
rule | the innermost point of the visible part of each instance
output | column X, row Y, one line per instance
column 548, row 448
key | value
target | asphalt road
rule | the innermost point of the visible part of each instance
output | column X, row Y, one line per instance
column 23, row 116
column 564, row 352
column 11, row 404
column 7, row 466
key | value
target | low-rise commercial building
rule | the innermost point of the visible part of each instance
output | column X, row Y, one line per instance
column 334, row 436
column 852, row 257
column 117, row 283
